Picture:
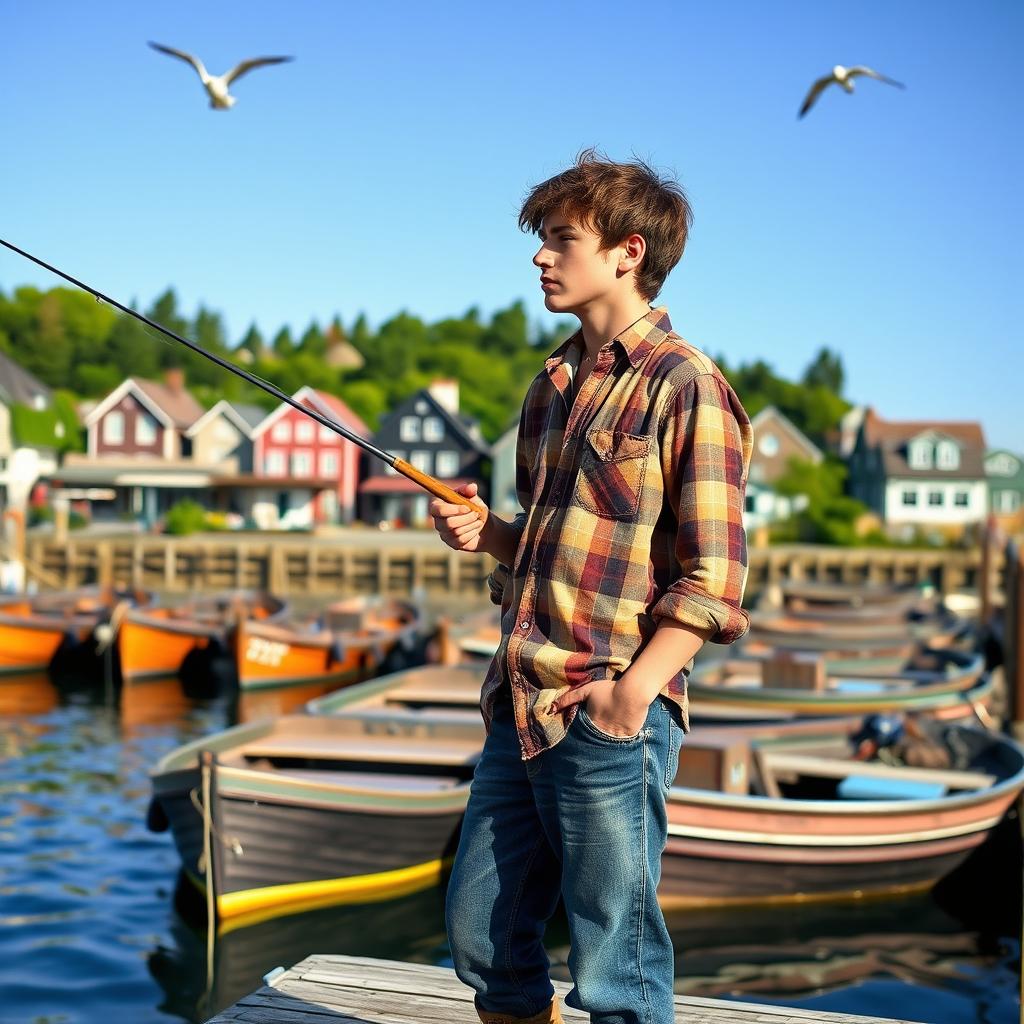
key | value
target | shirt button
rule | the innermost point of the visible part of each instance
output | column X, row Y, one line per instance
column 525, row 624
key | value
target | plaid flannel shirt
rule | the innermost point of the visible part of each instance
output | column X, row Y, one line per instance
column 634, row 492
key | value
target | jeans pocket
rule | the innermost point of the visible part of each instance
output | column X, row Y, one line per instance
column 611, row 475
column 606, row 737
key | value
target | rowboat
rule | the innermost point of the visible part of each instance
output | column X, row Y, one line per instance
column 360, row 803
column 349, row 641
column 948, row 684
column 54, row 629
column 362, row 800
column 784, row 817
column 153, row 642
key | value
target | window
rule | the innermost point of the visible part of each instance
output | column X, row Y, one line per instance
column 302, row 463
column 421, row 461
column 1007, row 501
column 390, row 470
column 113, row 427
column 409, row 428
column 921, row 455
column 282, row 431
column 328, row 464
column 433, row 429
column 273, row 463
column 962, row 499
column 910, row 497
column 327, row 436
column 1002, row 465
column 947, row 455
column 768, row 445
column 305, row 431
column 447, row 463
column 750, row 503
column 145, row 429
column 936, row 498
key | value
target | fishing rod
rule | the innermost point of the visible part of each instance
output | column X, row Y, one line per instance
column 428, row 483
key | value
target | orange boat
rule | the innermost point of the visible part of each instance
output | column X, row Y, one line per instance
column 350, row 641
column 33, row 630
column 154, row 642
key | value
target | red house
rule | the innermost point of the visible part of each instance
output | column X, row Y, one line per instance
column 305, row 472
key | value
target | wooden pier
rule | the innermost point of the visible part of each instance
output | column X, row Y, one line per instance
column 351, row 560
column 321, row 989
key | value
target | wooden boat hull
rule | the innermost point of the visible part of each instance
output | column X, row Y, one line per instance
column 273, row 655
column 724, row 848
column 149, row 646
column 29, row 643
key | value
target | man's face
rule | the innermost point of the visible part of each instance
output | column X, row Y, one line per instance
column 574, row 271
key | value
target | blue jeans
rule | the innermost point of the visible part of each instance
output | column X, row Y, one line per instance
column 584, row 820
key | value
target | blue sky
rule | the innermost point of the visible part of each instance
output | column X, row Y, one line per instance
column 382, row 170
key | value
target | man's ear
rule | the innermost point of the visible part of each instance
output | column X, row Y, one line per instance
column 632, row 253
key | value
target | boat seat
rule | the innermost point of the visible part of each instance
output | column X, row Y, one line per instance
column 780, row 762
column 372, row 780
column 393, row 750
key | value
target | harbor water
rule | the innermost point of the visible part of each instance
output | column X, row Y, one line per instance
column 96, row 926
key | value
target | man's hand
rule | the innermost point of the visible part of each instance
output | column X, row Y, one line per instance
column 617, row 708
column 457, row 527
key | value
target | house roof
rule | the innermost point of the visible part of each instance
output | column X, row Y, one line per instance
column 770, row 413
column 19, row 386
column 245, row 417
column 465, row 426
column 173, row 407
column 892, row 437
column 178, row 403
column 328, row 405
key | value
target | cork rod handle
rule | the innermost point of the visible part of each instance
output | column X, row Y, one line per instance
column 436, row 488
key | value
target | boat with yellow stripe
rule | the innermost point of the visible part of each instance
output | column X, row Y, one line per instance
column 307, row 811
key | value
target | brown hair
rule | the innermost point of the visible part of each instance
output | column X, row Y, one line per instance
column 615, row 201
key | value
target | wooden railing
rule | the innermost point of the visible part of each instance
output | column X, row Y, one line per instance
column 288, row 565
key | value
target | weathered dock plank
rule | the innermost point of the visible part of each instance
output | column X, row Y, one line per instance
column 325, row 989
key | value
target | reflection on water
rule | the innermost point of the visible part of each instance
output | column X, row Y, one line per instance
column 93, row 930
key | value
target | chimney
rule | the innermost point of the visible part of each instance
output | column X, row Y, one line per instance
column 446, row 393
column 175, row 379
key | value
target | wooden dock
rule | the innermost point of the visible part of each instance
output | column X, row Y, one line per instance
column 323, row 988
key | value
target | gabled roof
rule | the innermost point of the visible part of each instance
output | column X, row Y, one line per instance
column 172, row 407
column 244, row 417
column 471, row 436
column 18, row 386
column 893, row 437
column 327, row 405
column 770, row 412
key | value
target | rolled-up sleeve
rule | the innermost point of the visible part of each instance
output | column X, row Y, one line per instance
column 705, row 453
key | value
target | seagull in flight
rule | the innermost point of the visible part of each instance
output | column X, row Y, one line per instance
column 217, row 85
column 843, row 77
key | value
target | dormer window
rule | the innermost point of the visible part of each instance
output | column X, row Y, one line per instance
column 920, row 455
column 947, row 455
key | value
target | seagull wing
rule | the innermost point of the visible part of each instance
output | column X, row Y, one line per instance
column 860, row 69
column 248, row 65
column 182, row 55
column 815, row 91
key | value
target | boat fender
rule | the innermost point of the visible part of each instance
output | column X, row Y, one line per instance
column 271, row 978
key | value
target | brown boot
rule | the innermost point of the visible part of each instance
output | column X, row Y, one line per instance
column 549, row 1015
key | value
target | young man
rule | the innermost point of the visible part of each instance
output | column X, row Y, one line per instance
column 631, row 465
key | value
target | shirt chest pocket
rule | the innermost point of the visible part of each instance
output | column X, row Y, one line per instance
column 611, row 473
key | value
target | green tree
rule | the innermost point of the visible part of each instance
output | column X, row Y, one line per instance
column 825, row 371
column 829, row 516
column 282, row 345
column 313, row 342
column 253, row 342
